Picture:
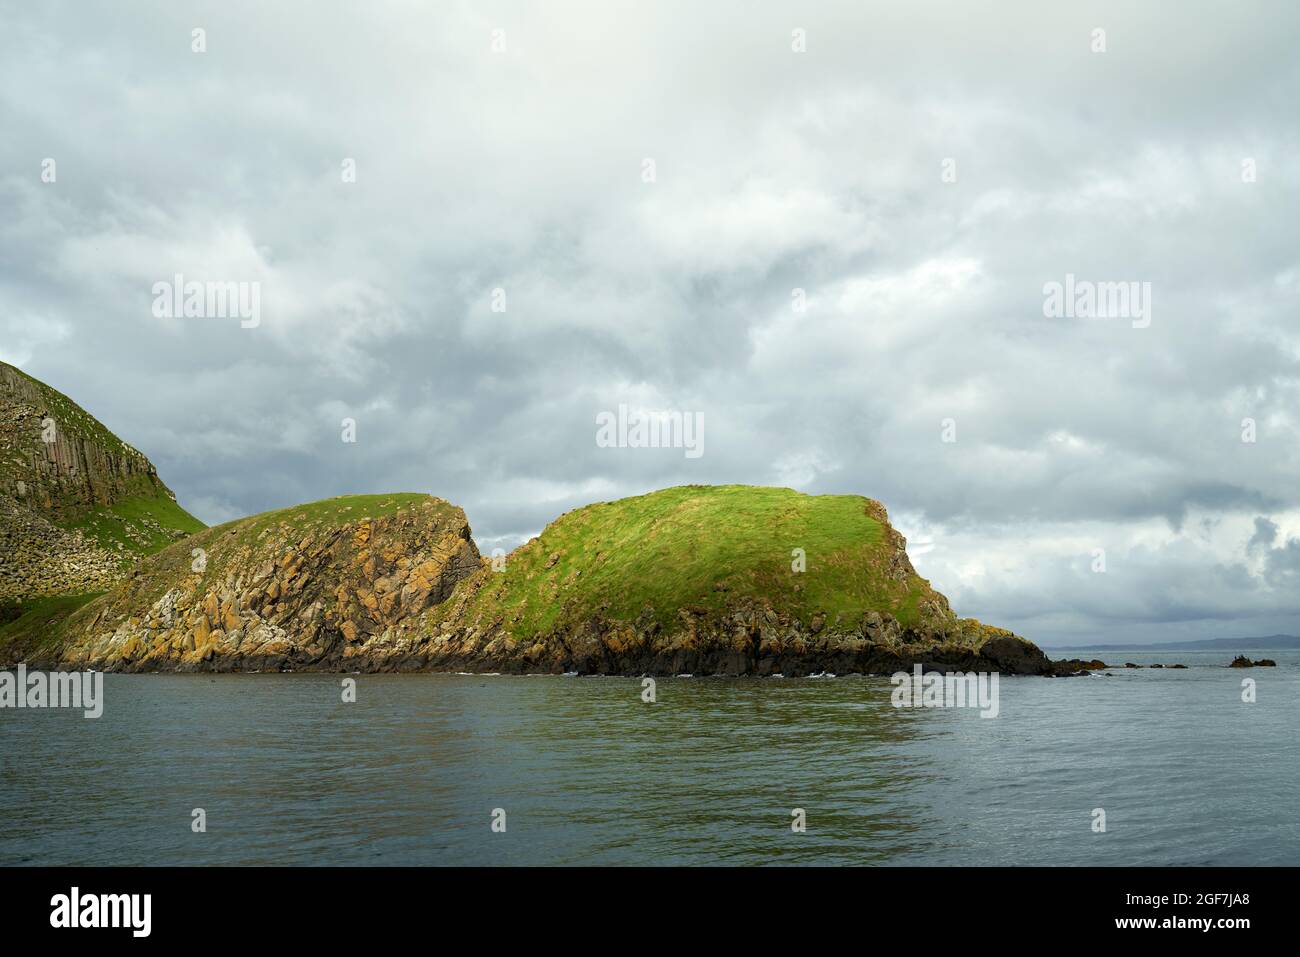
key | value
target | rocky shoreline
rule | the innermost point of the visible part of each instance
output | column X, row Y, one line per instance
column 846, row 657
column 184, row 634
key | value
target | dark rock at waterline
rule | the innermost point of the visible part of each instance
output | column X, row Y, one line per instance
column 1241, row 661
column 756, row 642
column 1076, row 666
column 1129, row 664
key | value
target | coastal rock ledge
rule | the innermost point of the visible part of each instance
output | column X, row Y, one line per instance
column 734, row 580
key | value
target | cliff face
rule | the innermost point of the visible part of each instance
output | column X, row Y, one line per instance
column 307, row 586
column 750, row 637
column 698, row 580
column 77, row 504
column 58, row 460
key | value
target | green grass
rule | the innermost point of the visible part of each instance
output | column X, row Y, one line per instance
column 224, row 542
column 121, row 527
column 703, row 546
column 316, row 515
column 332, row 511
column 33, row 624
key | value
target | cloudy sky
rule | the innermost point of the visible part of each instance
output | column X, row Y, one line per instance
column 648, row 184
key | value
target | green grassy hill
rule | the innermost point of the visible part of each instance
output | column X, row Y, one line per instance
column 709, row 579
column 708, row 547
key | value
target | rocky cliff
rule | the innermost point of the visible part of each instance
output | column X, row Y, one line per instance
column 77, row 504
column 311, row 586
column 706, row 580
column 58, row 459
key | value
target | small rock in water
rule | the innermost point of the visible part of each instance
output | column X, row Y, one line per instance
column 1241, row 661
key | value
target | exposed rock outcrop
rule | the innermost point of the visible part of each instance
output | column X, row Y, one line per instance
column 752, row 639
column 58, row 459
column 315, row 586
column 1242, row 661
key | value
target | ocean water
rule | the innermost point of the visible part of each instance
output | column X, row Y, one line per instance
column 587, row 773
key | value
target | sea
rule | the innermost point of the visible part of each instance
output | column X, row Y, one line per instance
column 1127, row 767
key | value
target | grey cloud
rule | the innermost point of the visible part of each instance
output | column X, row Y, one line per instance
column 776, row 171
